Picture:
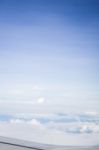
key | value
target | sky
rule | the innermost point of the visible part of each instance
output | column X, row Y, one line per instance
column 49, row 58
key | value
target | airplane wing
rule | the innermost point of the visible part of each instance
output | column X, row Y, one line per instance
column 16, row 144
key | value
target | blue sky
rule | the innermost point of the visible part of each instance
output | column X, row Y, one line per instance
column 49, row 71
column 49, row 51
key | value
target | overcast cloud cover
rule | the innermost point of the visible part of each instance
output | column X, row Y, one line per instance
column 49, row 70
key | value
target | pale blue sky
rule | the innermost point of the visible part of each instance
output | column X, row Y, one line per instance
column 49, row 49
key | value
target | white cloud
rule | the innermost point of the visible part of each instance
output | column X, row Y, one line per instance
column 40, row 100
column 67, row 123
column 17, row 121
column 34, row 122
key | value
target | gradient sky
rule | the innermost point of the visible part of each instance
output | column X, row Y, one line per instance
column 49, row 54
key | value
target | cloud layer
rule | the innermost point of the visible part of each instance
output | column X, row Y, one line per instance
column 68, row 123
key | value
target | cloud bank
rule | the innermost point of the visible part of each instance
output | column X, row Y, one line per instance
column 68, row 123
